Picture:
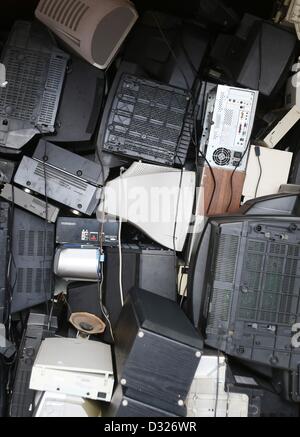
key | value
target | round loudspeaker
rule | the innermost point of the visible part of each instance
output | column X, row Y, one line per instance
column 87, row 323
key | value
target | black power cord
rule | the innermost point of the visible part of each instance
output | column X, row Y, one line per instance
column 233, row 174
column 258, row 154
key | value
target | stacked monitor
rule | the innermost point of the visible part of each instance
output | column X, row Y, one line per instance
column 247, row 292
column 35, row 74
column 33, row 252
column 259, row 56
column 146, row 120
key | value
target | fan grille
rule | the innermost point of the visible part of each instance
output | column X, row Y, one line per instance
column 222, row 157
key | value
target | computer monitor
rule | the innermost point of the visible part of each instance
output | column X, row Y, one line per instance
column 282, row 204
column 157, row 200
column 32, row 251
column 146, row 120
column 259, row 56
column 94, row 30
column 63, row 176
column 247, row 292
column 217, row 13
column 76, row 123
column 147, row 48
column 35, row 70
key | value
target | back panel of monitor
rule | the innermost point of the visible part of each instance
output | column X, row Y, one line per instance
column 35, row 74
column 254, row 309
column 149, row 121
column 33, row 252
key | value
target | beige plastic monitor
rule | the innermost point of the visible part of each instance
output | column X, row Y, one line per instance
column 157, row 200
column 95, row 29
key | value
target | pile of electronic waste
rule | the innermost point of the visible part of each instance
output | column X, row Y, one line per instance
column 149, row 212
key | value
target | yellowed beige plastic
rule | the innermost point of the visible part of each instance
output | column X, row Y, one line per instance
column 94, row 29
column 61, row 405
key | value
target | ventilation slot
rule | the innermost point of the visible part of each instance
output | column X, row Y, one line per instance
column 42, row 5
column 50, row 239
column 31, row 243
column 20, row 280
column 60, row 14
column 226, row 258
column 45, row 8
column 39, row 285
column 29, row 281
column 67, row 12
column 40, row 243
column 220, row 306
column 21, row 243
column 63, row 179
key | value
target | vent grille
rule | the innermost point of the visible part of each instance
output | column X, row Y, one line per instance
column 40, row 243
column 21, row 242
column 222, row 157
column 149, row 121
column 50, row 240
column 220, row 310
column 229, row 113
column 26, row 78
column 34, row 281
column 66, row 12
column 224, row 273
column 226, row 259
column 271, row 284
column 63, row 179
column 35, row 75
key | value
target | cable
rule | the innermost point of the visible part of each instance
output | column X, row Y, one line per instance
column 170, row 48
column 100, row 290
column 10, row 263
column 120, row 247
column 257, row 153
column 218, row 383
column 100, row 272
column 175, row 225
column 198, row 149
column 260, row 71
column 232, row 176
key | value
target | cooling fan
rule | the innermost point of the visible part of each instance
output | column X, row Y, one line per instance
column 222, row 157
